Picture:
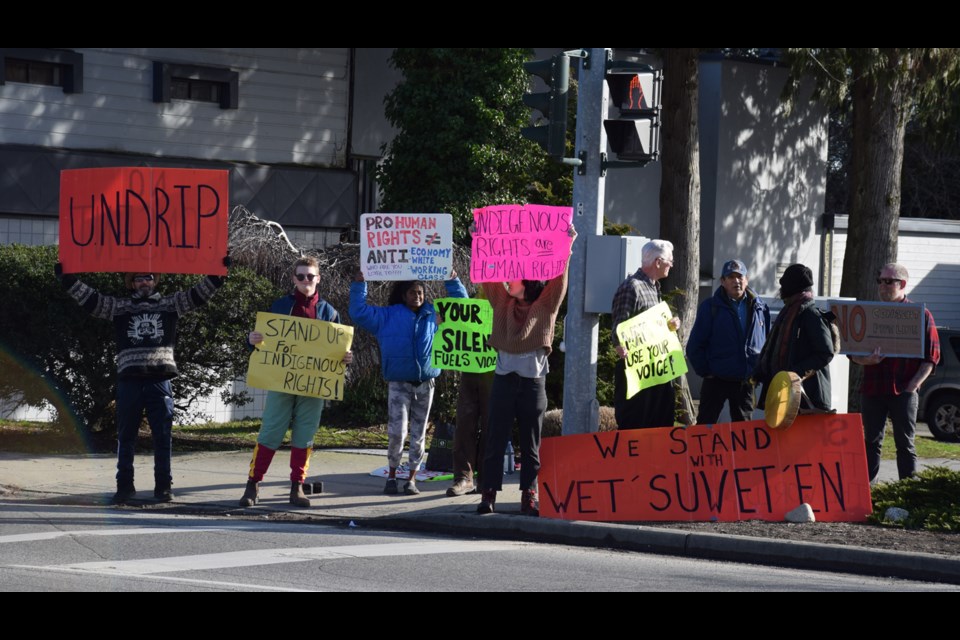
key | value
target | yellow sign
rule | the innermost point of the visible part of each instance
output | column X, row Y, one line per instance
column 654, row 353
column 300, row 356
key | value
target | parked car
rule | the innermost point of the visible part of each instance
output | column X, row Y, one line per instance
column 940, row 394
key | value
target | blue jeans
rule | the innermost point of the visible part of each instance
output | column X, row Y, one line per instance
column 134, row 395
column 902, row 410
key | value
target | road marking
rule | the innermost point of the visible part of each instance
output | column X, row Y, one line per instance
column 133, row 531
column 258, row 557
column 239, row 586
column 183, row 525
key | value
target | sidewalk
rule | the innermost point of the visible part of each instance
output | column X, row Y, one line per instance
column 212, row 483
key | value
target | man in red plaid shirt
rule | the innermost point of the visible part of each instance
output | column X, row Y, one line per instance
column 890, row 385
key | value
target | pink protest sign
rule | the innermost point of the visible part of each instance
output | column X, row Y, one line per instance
column 520, row 242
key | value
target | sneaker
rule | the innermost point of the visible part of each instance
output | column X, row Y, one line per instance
column 163, row 494
column 487, row 502
column 529, row 504
column 125, row 493
column 391, row 487
column 410, row 488
column 460, row 488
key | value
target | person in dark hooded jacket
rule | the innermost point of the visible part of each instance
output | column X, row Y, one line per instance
column 801, row 341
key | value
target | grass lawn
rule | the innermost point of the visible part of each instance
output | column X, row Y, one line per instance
column 926, row 446
column 42, row 437
column 243, row 433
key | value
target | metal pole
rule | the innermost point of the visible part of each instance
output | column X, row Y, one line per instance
column 581, row 411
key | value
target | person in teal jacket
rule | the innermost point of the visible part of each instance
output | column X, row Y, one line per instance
column 405, row 329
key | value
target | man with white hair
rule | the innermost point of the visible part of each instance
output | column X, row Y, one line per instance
column 890, row 385
column 653, row 406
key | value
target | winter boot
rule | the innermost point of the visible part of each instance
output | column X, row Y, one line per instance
column 297, row 497
column 529, row 504
column 163, row 493
column 488, row 499
column 125, row 493
column 251, row 495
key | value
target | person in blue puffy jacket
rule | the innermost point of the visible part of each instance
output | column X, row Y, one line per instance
column 725, row 343
column 405, row 329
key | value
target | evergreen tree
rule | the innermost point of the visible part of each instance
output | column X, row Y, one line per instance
column 458, row 115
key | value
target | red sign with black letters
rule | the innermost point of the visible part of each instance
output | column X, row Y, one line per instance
column 726, row 472
column 147, row 220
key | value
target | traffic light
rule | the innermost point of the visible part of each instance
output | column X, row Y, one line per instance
column 635, row 90
column 552, row 104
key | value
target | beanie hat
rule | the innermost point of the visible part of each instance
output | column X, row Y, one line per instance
column 795, row 279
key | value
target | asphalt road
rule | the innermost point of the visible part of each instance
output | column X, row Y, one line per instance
column 89, row 548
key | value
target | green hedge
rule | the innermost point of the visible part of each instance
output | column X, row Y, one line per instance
column 68, row 359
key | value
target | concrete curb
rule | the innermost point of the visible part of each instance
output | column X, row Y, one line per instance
column 704, row 546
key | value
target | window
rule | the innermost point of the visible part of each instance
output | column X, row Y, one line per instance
column 192, row 82
column 51, row 67
column 199, row 90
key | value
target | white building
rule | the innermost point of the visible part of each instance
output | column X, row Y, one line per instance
column 301, row 131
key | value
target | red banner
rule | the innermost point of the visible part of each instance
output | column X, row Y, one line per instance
column 136, row 219
column 728, row 472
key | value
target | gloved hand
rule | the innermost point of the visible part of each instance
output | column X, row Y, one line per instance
column 66, row 280
column 227, row 261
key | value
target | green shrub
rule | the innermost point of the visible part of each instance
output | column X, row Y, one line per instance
column 73, row 356
column 932, row 498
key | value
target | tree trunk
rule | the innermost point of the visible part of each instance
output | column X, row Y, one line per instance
column 680, row 181
column 880, row 108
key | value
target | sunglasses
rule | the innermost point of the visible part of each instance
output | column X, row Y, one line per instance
column 887, row 280
column 306, row 276
column 143, row 278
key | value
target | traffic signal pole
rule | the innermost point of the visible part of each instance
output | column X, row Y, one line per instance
column 581, row 411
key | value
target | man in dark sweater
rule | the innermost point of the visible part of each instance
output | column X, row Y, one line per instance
column 145, row 327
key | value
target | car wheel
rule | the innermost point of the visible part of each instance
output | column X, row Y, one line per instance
column 943, row 417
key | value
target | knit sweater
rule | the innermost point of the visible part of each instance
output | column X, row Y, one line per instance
column 520, row 326
column 146, row 328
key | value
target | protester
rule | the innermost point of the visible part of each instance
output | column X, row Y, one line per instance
column 146, row 334
column 654, row 406
column 724, row 345
column 801, row 341
column 890, row 386
column 524, row 315
column 405, row 329
column 473, row 419
column 282, row 411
